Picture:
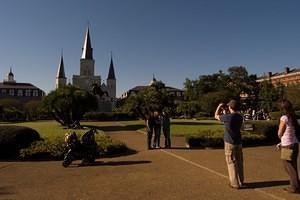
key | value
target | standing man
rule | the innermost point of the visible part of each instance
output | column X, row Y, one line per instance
column 229, row 115
column 150, row 123
column 157, row 129
column 165, row 122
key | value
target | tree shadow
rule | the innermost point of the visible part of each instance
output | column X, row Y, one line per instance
column 264, row 184
column 196, row 123
column 133, row 127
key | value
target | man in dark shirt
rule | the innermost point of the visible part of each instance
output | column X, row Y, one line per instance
column 232, row 141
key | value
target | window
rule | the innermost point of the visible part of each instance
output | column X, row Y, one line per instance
column 20, row 93
column 3, row 91
column 35, row 93
column 27, row 93
column 12, row 92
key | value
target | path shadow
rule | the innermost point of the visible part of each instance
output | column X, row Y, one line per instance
column 114, row 163
column 265, row 184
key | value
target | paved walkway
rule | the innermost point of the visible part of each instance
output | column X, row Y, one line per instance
column 175, row 173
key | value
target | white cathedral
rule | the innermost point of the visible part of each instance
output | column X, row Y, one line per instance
column 87, row 79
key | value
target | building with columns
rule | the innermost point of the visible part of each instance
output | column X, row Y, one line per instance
column 87, row 79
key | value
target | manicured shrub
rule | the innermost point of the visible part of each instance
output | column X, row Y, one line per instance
column 54, row 149
column 214, row 138
column 14, row 138
column 268, row 129
column 45, row 149
column 205, row 138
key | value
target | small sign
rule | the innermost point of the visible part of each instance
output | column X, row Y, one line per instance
column 248, row 127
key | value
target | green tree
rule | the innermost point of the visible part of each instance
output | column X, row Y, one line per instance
column 291, row 93
column 187, row 108
column 11, row 104
column 211, row 100
column 32, row 109
column 153, row 98
column 68, row 104
column 236, row 83
column 268, row 96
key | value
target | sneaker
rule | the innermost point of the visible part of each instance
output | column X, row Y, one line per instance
column 290, row 190
column 234, row 187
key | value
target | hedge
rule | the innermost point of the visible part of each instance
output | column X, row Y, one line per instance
column 55, row 149
column 14, row 138
column 277, row 114
column 208, row 138
column 264, row 133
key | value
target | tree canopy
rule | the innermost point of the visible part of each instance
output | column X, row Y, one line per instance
column 153, row 98
column 68, row 104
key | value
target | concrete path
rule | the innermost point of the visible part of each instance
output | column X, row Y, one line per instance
column 175, row 173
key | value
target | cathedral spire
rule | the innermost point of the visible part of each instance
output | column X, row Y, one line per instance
column 61, row 80
column 61, row 69
column 87, row 50
column 111, row 72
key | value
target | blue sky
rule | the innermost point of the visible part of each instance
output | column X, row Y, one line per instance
column 174, row 39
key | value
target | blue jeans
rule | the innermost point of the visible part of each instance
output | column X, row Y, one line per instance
column 157, row 136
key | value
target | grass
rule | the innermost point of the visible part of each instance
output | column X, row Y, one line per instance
column 183, row 127
column 51, row 129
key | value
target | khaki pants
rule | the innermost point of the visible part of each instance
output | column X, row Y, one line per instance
column 234, row 160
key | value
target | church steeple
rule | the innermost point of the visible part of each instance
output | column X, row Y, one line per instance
column 61, row 79
column 87, row 50
column 111, row 72
column 111, row 80
column 61, row 69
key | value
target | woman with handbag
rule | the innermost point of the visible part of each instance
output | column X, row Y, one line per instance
column 289, row 144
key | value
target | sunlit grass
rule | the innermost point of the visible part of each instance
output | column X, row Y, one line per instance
column 50, row 129
column 182, row 127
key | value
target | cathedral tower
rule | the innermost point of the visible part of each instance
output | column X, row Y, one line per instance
column 61, row 79
column 87, row 62
column 111, row 80
column 87, row 77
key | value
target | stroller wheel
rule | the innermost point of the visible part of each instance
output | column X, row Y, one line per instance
column 66, row 163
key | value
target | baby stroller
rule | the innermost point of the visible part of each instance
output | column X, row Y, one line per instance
column 85, row 149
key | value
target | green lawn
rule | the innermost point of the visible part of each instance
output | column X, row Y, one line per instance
column 179, row 127
column 182, row 127
column 50, row 129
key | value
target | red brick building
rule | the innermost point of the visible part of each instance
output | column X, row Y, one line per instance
column 287, row 77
